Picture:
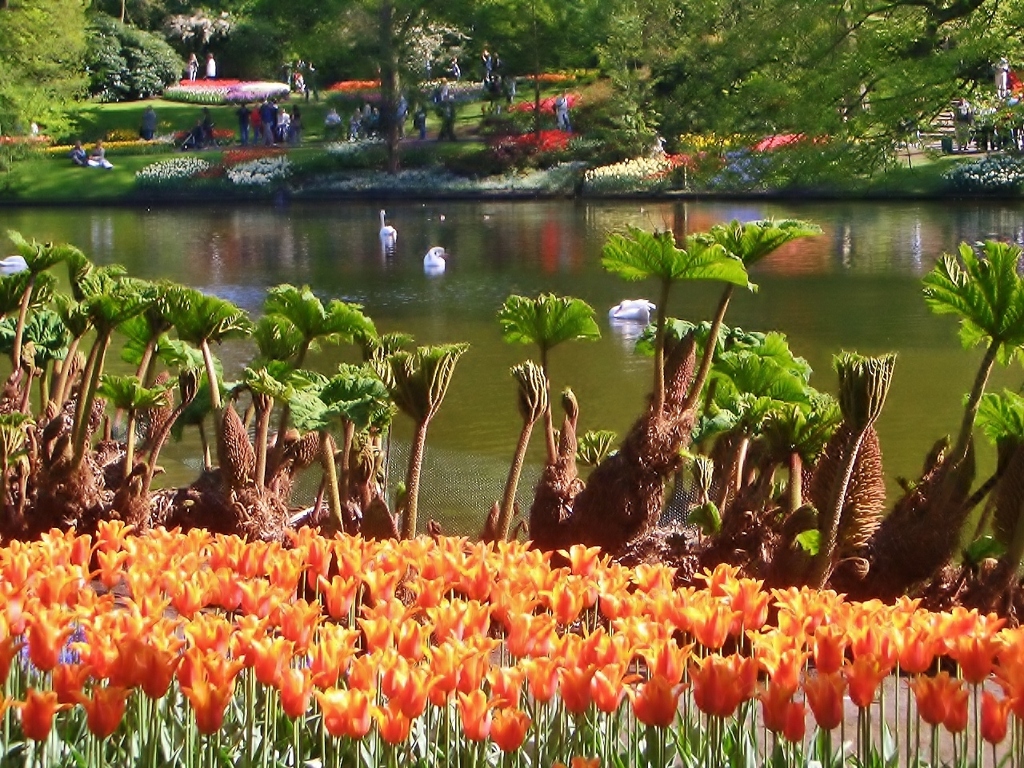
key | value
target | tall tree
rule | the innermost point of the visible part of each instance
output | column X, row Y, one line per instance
column 42, row 45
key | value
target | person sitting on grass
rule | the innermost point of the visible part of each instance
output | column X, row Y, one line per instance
column 98, row 157
column 78, row 156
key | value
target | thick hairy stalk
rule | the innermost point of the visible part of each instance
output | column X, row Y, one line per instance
column 263, row 405
column 211, row 376
column 795, row 495
column 19, row 329
column 412, row 480
column 129, row 450
column 59, row 389
column 87, row 398
column 331, row 480
column 973, row 401
column 532, row 402
column 863, row 386
column 709, row 350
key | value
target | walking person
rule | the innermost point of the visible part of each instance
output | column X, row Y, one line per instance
column 193, row 67
column 242, row 113
column 562, row 113
column 211, row 67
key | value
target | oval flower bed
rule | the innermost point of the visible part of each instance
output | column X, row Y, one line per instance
column 225, row 91
column 170, row 648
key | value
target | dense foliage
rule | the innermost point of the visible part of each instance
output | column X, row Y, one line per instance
column 126, row 63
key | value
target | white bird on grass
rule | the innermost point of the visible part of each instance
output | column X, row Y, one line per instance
column 433, row 262
column 388, row 234
column 632, row 310
column 13, row 264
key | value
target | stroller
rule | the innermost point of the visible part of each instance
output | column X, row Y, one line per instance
column 194, row 139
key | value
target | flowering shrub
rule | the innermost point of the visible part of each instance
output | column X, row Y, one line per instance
column 993, row 174
column 419, row 652
column 555, row 77
column 259, row 172
column 347, row 148
column 173, row 171
column 513, row 149
column 458, row 90
column 225, row 91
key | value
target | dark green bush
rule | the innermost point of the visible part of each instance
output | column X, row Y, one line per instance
column 125, row 63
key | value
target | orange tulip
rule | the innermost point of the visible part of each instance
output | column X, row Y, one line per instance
column 210, row 632
column 379, row 633
column 975, row 654
column 542, row 676
column 362, row 672
column 508, row 729
column 47, row 631
column 506, row 684
column 9, row 648
column 917, row 645
column 864, row 676
column 67, row 681
column 346, row 712
column 608, row 687
column 583, row 561
column 296, row 689
column 565, row 600
column 935, row 696
column 717, row 686
column 381, row 582
column 190, row 596
column 338, row 594
column 475, row 712
column 329, row 657
column 270, row 657
column 747, row 597
column 712, row 623
column 829, row 648
column 530, row 635
column 394, row 725
column 956, row 715
column 719, row 581
column 412, row 697
column 775, row 701
column 209, row 700
column 411, row 639
column 796, row 722
column 575, row 688
column 656, row 702
column 298, row 622
column 666, row 659
column 993, row 718
column 37, row 713
column 824, row 695
column 104, row 710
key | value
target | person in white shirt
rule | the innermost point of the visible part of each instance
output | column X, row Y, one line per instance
column 211, row 67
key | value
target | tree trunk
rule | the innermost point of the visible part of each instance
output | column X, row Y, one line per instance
column 389, row 82
column 508, row 499
column 412, row 482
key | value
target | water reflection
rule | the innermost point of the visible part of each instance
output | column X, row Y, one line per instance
column 855, row 287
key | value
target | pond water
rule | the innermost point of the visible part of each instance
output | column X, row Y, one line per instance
column 856, row 287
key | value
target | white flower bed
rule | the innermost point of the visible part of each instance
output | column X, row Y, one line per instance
column 351, row 148
column 560, row 179
column 260, row 172
column 641, row 174
column 169, row 171
column 225, row 91
column 999, row 173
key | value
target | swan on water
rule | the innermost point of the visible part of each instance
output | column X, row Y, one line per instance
column 13, row 264
column 388, row 234
column 433, row 262
column 635, row 310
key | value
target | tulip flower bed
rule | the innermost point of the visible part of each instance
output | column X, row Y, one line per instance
column 225, row 91
column 196, row 649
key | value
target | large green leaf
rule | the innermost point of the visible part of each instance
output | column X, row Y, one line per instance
column 125, row 299
column 276, row 338
column 418, row 381
column 13, row 287
column 199, row 317
column 985, row 291
column 1001, row 416
column 127, row 392
column 335, row 323
column 641, row 255
column 753, row 240
column 547, row 320
column 39, row 256
column 44, row 330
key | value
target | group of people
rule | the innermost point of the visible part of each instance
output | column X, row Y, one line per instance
column 269, row 122
column 302, row 79
column 95, row 159
column 193, row 67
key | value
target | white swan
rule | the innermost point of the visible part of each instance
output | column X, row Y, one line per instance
column 388, row 234
column 433, row 262
column 634, row 310
column 13, row 264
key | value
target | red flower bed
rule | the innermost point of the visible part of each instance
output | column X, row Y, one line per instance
column 349, row 86
column 245, row 154
column 546, row 105
column 546, row 141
